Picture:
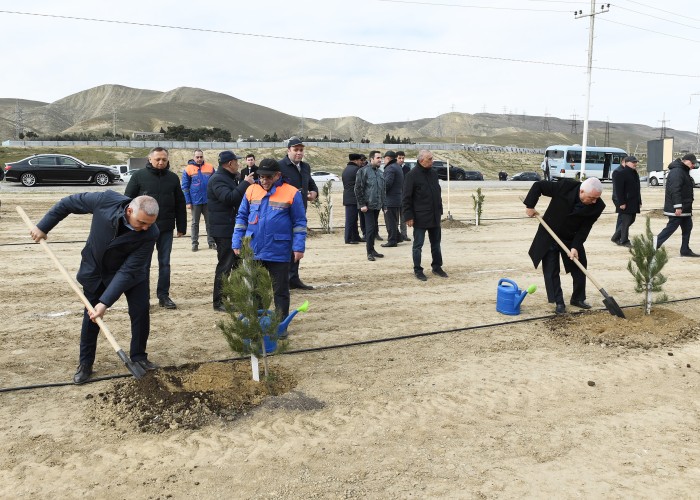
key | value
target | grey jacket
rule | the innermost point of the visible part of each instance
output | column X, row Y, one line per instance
column 370, row 188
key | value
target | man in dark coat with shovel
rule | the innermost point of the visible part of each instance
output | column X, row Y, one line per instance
column 572, row 211
column 115, row 261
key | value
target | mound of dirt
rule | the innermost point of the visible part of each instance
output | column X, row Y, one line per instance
column 453, row 223
column 661, row 328
column 191, row 396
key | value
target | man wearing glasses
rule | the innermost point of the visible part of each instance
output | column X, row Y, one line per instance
column 273, row 216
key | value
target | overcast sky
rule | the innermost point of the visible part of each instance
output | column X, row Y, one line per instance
column 514, row 56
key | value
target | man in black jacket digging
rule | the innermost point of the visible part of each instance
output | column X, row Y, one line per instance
column 572, row 211
column 115, row 261
column 158, row 181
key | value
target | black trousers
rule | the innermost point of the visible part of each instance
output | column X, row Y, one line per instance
column 686, row 224
column 371, row 224
column 391, row 219
column 137, row 300
column 351, row 232
column 625, row 221
column 435, row 236
column 552, row 281
column 227, row 261
column 279, row 272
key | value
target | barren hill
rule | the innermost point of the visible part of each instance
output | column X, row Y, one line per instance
column 95, row 110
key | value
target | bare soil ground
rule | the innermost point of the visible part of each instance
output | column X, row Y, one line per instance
column 425, row 390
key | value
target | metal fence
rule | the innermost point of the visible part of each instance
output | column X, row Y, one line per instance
column 265, row 145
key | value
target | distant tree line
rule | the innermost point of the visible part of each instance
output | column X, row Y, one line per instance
column 182, row 133
column 397, row 140
column 79, row 136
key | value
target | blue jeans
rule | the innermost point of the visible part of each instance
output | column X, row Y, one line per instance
column 435, row 235
column 164, row 247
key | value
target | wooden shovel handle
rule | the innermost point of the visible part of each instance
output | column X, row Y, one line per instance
column 568, row 251
column 70, row 281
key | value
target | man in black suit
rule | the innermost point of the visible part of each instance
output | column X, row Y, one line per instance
column 115, row 261
column 298, row 174
column 627, row 199
column 352, row 235
column 572, row 211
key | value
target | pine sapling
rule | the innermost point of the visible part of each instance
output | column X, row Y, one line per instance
column 247, row 295
column 478, row 205
column 645, row 265
column 324, row 206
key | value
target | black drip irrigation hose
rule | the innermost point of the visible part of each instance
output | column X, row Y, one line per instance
column 331, row 347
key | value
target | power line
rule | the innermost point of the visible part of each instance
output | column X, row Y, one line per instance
column 659, row 18
column 684, row 15
column 482, row 7
column 645, row 30
column 348, row 44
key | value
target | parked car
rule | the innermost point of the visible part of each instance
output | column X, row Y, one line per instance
column 526, row 176
column 456, row 173
column 323, row 177
column 656, row 178
column 55, row 169
column 473, row 175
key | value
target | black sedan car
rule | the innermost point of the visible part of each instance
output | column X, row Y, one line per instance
column 456, row 173
column 58, row 169
column 526, row 176
column 473, row 175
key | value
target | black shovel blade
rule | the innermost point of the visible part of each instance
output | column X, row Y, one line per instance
column 612, row 307
column 134, row 368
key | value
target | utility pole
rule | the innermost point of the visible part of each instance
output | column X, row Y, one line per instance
column 697, row 134
column 574, row 124
column 578, row 15
column 114, row 122
column 19, row 120
column 545, row 122
column 663, row 127
column 606, row 142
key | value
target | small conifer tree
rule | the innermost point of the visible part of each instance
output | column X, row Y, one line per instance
column 324, row 206
column 478, row 205
column 645, row 265
column 247, row 294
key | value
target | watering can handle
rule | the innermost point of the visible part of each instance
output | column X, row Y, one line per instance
column 506, row 280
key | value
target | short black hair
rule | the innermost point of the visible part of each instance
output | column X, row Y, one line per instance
column 400, row 153
column 372, row 153
column 250, row 155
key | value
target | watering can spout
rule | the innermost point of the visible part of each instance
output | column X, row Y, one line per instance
column 518, row 299
column 282, row 329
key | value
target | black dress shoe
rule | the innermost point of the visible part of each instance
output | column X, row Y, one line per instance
column 421, row 276
column 406, row 238
column 689, row 253
column 378, row 255
column 627, row 244
column 440, row 272
column 220, row 308
column 560, row 309
column 83, row 374
column 580, row 303
column 370, row 257
column 351, row 242
column 362, row 240
column 387, row 245
column 300, row 285
column 147, row 365
column 378, row 238
column 167, row 303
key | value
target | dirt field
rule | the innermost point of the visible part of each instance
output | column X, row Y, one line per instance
column 489, row 406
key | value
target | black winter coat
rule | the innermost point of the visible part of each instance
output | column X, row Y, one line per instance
column 628, row 190
column 422, row 197
column 300, row 179
column 164, row 186
column 571, row 223
column 118, row 261
column 679, row 189
column 349, row 177
column 224, row 193
column 393, row 178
